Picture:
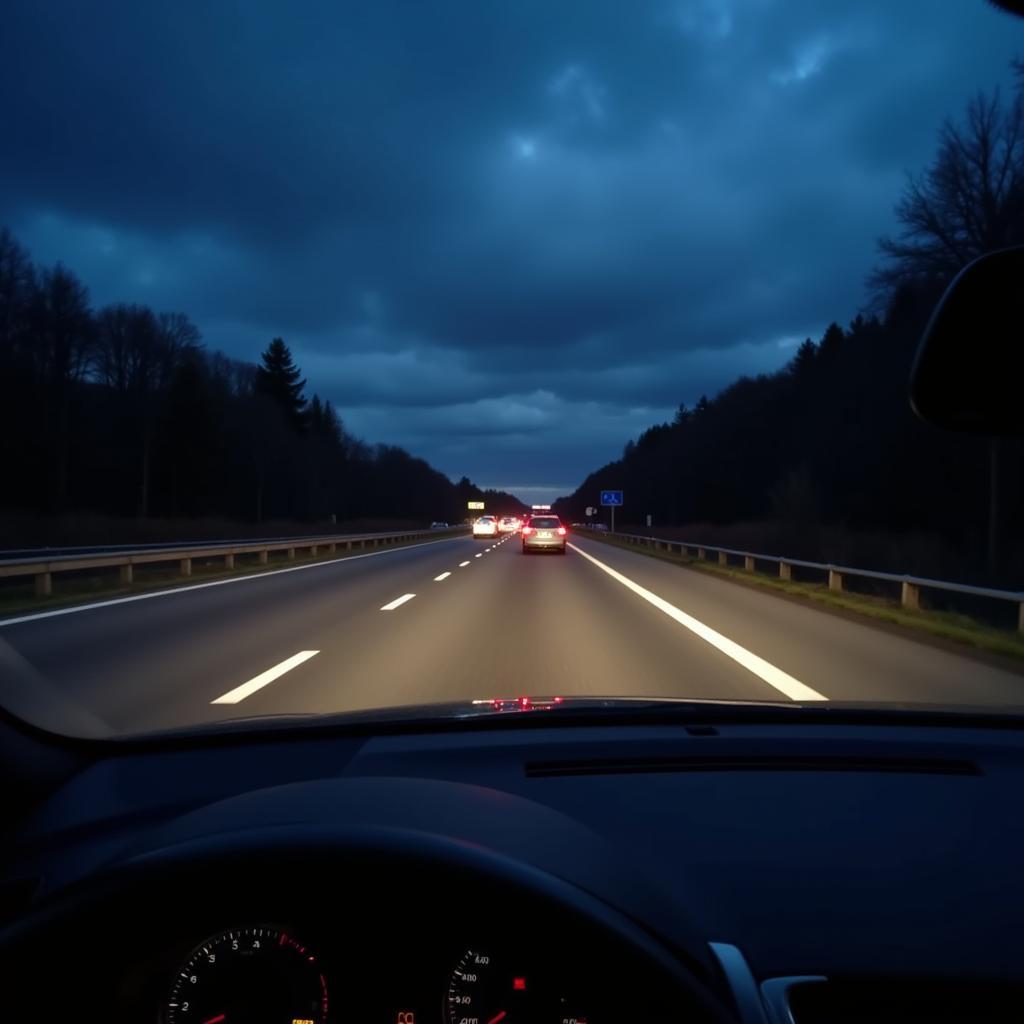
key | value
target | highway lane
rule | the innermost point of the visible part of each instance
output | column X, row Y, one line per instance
column 844, row 658
column 481, row 623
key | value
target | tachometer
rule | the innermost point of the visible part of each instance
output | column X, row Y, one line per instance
column 488, row 989
column 257, row 974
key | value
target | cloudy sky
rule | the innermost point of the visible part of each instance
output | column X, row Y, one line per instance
column 505, row 234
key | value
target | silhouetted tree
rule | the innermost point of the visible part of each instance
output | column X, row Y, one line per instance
column 62, row 336
column 279, row 379
column 968, row 202
column 802, row 364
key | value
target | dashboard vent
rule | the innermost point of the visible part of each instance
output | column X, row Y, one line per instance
column 757, row 763
column 898, row 1001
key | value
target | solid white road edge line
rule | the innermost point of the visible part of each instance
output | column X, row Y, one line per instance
column 782, row 681
column 443, row 576
column 212, row 583
column 258, row 682
column 397, row 603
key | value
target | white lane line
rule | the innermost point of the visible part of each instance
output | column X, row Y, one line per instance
column 782, row 681
column 443, row 576
column 397, row 603
column 479, row 554
column 462, row 565
column 258, row 682
column 202, row 586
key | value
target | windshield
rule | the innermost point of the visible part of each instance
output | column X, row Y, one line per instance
column 301, row 308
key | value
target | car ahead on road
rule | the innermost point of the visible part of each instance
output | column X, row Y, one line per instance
column 544, row 533
column 508, row 524
column 485, row 526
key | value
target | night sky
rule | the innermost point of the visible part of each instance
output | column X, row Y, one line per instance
column 506, row 235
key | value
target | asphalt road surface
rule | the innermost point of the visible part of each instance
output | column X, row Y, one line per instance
column 460, row 618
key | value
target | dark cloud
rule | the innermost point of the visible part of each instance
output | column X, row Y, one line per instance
column 479, row 224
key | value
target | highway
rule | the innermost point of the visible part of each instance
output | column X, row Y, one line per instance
column 458, row 619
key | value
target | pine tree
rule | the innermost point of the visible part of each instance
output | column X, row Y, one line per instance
column 279, row 379
column 802, row 363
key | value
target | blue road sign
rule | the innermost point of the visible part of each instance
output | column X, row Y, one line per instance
column 611, row 498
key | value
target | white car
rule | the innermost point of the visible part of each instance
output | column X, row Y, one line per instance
column 485, row 526
column 508, row 524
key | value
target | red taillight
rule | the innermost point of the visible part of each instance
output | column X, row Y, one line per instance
column 527, row 530
column 561, row 531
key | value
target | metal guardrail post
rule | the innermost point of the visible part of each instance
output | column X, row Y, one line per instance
column 911, row 586
column 183, row 555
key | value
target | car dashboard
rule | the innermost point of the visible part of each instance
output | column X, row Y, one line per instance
column 777, row 873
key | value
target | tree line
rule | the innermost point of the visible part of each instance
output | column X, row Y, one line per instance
column 831, row 439
column 123, row 412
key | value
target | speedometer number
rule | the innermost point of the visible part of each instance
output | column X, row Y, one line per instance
column 491, row 989
column 254, row 973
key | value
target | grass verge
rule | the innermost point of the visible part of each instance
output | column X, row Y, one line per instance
column 18, row 596
column 949, row 627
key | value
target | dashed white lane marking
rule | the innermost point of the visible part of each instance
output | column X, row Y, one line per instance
column 397, row 603
column 479, row 554
column 74, row 609
column 462, row 565
column 782, row 681
column 258, row 682
column 443, row 576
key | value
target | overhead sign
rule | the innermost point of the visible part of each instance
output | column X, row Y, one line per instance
column 612, row 498
column 475, row 504
column 541, row 508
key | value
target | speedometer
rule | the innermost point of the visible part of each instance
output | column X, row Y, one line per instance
column 485, row 988
column 258, row 974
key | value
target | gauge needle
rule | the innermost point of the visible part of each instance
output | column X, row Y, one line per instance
column 217, row 1019
column 501, row 1016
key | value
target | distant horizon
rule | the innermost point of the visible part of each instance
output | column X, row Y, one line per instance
column 532, row 494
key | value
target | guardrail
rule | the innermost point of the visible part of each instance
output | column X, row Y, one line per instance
column 43, row 569
column 910, row 586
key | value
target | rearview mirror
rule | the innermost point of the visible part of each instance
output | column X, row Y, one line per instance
column 968, row 373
